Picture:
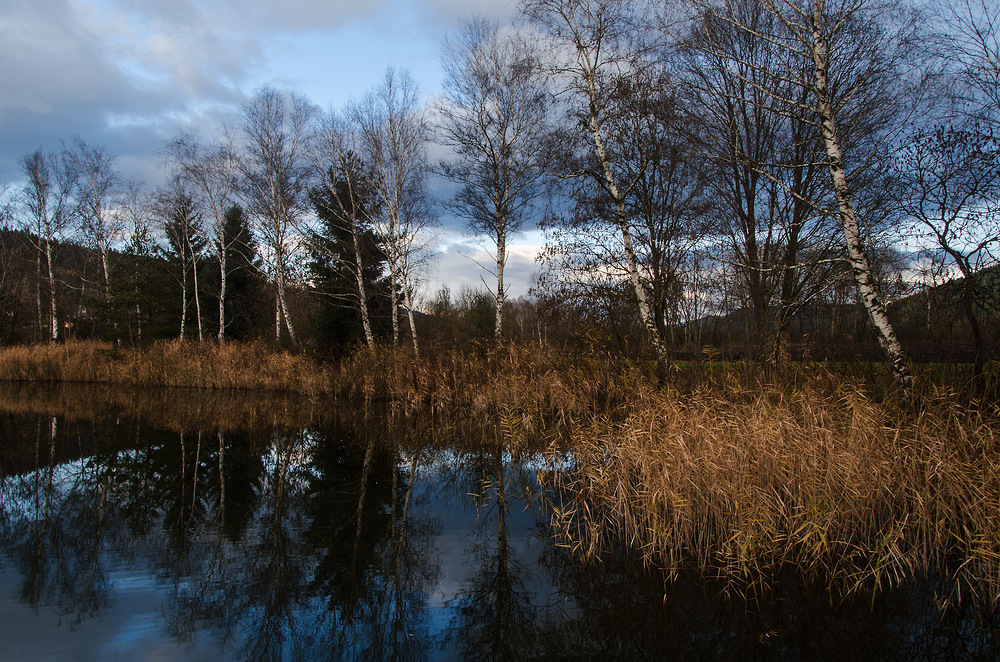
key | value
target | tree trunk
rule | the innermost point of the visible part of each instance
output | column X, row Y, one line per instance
column 362, row 293
column 54, row 323
column 277, row 317
column 409, row 315
column 394, row 302
column 283, row 304
column 105, row 269
column 501, row 260
column 184, row 291
column 38, row 295
column 223, row 277
column 621, row 218
column 860, row 266
column 197, row 298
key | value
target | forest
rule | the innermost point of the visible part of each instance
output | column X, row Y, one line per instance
column 751, row 179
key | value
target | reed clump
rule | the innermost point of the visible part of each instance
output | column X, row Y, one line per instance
column 820, row 480
column 544, row 387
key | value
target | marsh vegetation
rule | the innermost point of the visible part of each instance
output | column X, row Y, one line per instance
column 734, row 473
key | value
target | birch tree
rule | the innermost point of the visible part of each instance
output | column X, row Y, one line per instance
column 275, row 182
column 212, row 171
column 182, row 228
column 595, row 45
column 844, row 53
column 493, row 116
column 347, row 195
column 648, row 135
column 393, row 134
column 139, row 249
column 47, row 199
column 100, row 224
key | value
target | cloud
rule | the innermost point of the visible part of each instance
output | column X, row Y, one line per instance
column 466, row 262
column 259, row 17
column 112, row 78
column 128, row 74
column 449, row 10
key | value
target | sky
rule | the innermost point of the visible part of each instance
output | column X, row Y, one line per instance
column 130, row 74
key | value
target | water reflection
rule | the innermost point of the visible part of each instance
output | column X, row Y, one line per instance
column 272, row 527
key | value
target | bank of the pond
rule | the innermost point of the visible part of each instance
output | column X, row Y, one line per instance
column 186, row 364
column 727, row 470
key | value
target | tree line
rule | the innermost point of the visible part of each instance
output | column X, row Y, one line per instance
column 773, row 164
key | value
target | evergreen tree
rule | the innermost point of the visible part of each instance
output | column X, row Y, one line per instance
column 335, row 263
column 245, row 283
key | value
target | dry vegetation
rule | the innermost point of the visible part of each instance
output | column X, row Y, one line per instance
column 819, row 480
column 174, row 363
column 720, row 469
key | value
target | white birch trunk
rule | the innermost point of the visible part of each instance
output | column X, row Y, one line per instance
column 223, row 276
column 362, row 293
column 501, row 260
column 860, row 266
column 54, row 322
column 409, row 315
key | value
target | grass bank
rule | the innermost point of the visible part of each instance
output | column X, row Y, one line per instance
column 168, row 363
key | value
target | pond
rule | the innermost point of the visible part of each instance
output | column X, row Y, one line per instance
column 204, row 526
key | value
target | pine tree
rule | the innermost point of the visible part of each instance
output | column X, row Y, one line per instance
column 347, row 258
column 245, row 283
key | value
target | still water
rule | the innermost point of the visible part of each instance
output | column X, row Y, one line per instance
column 189, row 525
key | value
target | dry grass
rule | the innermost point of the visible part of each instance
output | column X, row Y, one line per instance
column 820, row 480
column 545, row 388
column 168, row 363
column 180, row 410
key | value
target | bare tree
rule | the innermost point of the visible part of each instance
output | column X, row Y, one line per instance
column 182, row 228
column 648, row 135
column 966, row 39
column 393, row 134
column 595, row 44
column 493, row 117
column 348, row 188
column 765, row 164
column 212, row 171
column 47, row 199
column 842, row 52
column 137, row 216
column 99, row 182
column 275, row 181
column 951, row 184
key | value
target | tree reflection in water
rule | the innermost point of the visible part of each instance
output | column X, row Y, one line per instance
column 495, row 612
column 322, row 533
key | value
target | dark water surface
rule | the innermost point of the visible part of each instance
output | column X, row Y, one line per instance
column 188, row 525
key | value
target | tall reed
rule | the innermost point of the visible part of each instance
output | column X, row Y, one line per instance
column 820, row 480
